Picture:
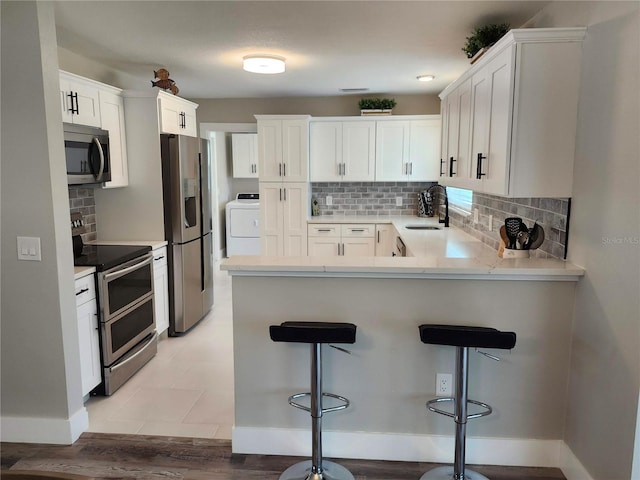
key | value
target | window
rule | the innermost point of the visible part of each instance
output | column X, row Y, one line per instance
column 460, row 198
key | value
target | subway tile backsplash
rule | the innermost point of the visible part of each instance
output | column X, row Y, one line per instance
column 379, row 199
column 368, row 198
column 550, row 213
column 82, row 201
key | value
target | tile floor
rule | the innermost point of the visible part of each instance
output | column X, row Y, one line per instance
column 186, row 390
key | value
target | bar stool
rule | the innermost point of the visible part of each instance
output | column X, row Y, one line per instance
column 462, row 337
column 316, row 333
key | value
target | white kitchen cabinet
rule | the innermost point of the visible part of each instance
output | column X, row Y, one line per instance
column 244, row 149
column 88, row 335
column 112, row 120
column 284, row 210
column 349, row 240
column 177, row 115
column 407, row 150
column 161, row 289
column 524, row 100
column 80, row 100
column 283, row 148
column 455, row 169
column 342, row 151
column 386, row 235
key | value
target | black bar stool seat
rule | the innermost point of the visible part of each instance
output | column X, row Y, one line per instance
column 316, row 334
column 462, row 337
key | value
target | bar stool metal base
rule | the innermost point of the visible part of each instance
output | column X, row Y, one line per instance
column 446, row 473
column 330, row 471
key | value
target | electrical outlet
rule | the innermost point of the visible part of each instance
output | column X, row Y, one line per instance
column 398, row 201
column 443, row 384
column 491, row 223
column 329, row 200
column 476, row 215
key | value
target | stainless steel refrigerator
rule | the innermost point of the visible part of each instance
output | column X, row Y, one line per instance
column 187, row 221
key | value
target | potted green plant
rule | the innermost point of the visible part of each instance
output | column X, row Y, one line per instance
column 482, row 38
column 376, row 106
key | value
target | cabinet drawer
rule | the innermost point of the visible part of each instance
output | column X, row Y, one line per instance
column 324, row 230
column 159, row 258
column 358, row 230
column 85, row 289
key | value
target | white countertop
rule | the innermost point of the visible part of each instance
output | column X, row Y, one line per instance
column 80, row 272
column 445, row 253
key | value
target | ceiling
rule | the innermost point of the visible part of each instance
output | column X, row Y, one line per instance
column 328, row 45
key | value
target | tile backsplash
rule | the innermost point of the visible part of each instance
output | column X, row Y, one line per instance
column 368, row 198
column 82, row 201
column 550, row 213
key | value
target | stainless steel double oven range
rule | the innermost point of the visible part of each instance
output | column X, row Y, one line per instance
column 128, row 337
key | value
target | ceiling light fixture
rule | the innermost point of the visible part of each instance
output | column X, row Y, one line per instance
column 425, row 78
column 263, row 64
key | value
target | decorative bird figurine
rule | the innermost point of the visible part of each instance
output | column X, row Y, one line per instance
column 164, row 82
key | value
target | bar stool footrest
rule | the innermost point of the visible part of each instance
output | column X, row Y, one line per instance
column 345, row 404
column 487, row 408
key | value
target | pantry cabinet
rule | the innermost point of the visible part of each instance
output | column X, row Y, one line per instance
column 283, row 148
column 80, row 100
column 408, row 150
column 88, row 335
column 523, row 99
column 284, row 209
column 177, row 115
column 348, row 240
column 342, row 151
column 244, row 148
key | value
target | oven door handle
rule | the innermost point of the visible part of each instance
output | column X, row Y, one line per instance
column 148, row 259
column 141, row 350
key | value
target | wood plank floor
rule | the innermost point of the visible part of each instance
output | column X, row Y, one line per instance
column 141, row 457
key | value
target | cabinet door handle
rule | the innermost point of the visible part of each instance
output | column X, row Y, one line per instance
column 410, row 168
column 442, row 162
column 479, row 173
column 284, row 169
column 82, row 291
column 378, row 237
column 280, row 194
column 451, row 160
column 285, row 194
column 279, row 169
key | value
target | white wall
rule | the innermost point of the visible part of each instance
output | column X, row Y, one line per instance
column 41, row 386
column 604, row 237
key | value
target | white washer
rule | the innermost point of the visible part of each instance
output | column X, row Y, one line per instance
column 243, row 225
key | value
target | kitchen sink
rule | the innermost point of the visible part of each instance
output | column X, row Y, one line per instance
column 421, row 227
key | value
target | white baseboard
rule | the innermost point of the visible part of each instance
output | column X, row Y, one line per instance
column 44, row 430
column 402, row 447
column 571, row 466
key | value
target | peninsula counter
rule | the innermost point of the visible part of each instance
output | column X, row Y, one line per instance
column 390, row 374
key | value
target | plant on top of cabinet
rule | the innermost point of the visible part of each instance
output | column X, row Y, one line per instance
column 376, row 106
column 483, row 37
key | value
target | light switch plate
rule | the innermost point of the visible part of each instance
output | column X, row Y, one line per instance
column 29, row 248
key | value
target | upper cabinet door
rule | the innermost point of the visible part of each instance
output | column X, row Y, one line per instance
column 295, row 150
column 358, row 151
column 424, row 150
column 177, row 115
column 80, row 101
column 270, row 150
column 392, row 150
column 244, row 152
column 325, row 151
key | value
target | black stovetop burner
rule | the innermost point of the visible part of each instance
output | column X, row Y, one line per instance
column 104, row 257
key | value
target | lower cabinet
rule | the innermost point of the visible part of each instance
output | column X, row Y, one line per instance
column 386, row 235
column 161, row 289
column 88, row 335
column 284, row 209
column 349, row 240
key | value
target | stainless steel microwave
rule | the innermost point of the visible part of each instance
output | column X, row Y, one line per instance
column 87, row 153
